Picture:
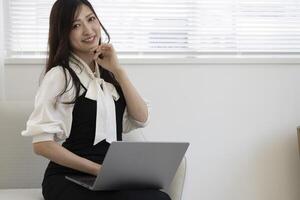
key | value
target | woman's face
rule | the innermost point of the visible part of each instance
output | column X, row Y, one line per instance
column 85, row 32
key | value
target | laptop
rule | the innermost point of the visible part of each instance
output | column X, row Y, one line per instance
column 136, row 165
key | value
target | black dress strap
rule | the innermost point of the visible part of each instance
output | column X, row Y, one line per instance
column 83, row 86
column 71, row 71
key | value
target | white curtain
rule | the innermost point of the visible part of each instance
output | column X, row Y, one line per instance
column 2, row 83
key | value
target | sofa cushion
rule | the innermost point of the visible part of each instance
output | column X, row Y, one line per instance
column 21, row 194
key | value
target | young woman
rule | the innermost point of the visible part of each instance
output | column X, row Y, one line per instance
column 86, row 99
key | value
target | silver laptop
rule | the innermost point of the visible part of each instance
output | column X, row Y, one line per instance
column 136, row 165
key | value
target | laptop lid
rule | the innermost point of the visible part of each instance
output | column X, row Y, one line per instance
column 140, row 165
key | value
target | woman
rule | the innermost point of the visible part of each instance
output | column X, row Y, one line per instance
column 85, row 99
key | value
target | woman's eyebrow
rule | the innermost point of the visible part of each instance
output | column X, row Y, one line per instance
column 85, row 17
column 89, row 15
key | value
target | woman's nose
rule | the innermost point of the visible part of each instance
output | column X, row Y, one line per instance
column 87, row 29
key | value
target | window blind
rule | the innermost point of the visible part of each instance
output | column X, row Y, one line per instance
column 185, row 27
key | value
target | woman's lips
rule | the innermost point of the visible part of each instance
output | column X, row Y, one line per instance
column 89, row 39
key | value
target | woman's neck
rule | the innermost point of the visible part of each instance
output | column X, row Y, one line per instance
column 88, row 59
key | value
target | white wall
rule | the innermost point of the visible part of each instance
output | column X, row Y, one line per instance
column 1, row 51
column 240, row 120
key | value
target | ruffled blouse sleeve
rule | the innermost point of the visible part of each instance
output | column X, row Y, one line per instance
column 51, row 119
column 129, row 124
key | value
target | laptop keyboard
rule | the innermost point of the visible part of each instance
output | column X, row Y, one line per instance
column 87, row 180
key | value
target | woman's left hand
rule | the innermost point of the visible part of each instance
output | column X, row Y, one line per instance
column 109, row 59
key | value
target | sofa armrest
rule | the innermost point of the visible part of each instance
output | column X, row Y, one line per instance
column 176, row 188
column 21, row 194
column 298, row 133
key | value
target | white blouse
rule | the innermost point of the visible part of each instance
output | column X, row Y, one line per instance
column 51, row 120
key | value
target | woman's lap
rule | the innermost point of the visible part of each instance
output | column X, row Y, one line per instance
column 58, row 188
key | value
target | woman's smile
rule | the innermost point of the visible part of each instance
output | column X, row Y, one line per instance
column 89, row 39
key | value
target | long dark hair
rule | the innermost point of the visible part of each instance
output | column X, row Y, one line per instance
column 59, row 48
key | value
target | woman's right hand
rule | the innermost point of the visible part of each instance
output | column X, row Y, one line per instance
column 97, row 169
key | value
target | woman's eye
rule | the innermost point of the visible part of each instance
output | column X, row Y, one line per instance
column 75, row 26
column 92, row 18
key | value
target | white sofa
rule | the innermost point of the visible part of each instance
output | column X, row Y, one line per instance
column 21, row 171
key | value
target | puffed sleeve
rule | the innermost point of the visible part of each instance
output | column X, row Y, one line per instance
column 130, row 124
column 51, row 119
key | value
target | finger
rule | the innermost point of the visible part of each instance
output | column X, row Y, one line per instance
column 97, row 53
column 94, row 50
column 97, row 50
column 110, row 48
column 105, row 46
column 101, row 56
